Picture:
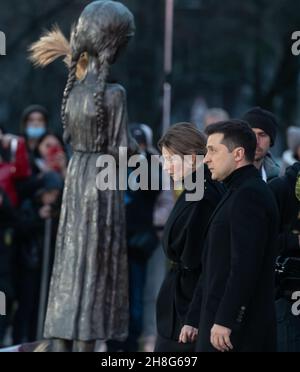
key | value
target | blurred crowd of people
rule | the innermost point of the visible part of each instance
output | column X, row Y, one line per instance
column 32, row 171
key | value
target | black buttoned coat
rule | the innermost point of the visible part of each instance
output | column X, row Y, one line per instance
column 236, row 289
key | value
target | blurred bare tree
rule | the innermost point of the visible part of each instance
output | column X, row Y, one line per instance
column 232, row 53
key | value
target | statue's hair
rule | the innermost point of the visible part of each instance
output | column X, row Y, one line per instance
column 53, row 45
column 103, row 27
column 69, row 86
column 99, row 100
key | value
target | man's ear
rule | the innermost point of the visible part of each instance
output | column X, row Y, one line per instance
column 239, row 154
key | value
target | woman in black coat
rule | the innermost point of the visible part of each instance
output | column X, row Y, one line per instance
column 183, row 240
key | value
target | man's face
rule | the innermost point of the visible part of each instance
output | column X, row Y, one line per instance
column 50, row 197
column 219, row 159
column 263, row 144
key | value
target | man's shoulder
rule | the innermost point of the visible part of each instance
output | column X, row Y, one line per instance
column 254, row 190
column 271, row 167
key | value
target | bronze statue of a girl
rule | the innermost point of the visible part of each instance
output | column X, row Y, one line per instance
column 88, row 298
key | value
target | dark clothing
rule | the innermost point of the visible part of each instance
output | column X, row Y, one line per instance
column 288, row 325
column 141, row 242
column 183, row 244
column 165, row 345
column 7, row 258
column 237, row 286
column 289, row 207
column 141, row 235
column 30, row 259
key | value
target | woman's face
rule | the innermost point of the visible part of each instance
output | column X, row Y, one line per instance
column 177, row 166
column 48, row 143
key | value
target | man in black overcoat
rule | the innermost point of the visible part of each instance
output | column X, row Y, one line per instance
column 236, row 291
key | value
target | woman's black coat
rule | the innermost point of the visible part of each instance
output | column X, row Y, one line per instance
column 183, row 245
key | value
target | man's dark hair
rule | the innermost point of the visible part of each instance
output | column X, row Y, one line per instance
column 237, row 133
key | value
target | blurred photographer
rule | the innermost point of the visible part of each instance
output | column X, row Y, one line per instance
column 287, row 192
column 8, row 224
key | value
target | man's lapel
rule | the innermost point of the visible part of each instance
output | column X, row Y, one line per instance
column 219, row 206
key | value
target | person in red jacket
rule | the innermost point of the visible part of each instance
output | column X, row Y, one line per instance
column 14, row 165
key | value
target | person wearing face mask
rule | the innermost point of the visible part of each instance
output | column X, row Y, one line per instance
column 34, row 124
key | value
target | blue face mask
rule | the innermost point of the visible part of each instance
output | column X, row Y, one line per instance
column 35, row 133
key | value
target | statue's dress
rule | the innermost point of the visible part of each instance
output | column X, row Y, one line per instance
column 88, row 297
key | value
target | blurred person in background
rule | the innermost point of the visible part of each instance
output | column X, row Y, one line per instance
column 265, row 126
column 287, row 193
column 34, row 124
column 214, row 115
column 292, row 154
column 7, row 259
column 45, row 205
column 142, row 240
column 198, row 111
column 156, row 270
column 14, row 168
column 50, row 154
column 14, row 165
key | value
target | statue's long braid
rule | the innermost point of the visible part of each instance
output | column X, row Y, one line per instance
column 102, row 126
column 69, row 86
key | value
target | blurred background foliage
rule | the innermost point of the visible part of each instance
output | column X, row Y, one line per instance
column 231, row 54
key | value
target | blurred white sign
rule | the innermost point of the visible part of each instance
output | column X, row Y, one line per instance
column 2, row 44
column 2, row 304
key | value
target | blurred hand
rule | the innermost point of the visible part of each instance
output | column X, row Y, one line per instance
column 188, row 334
column 220, row 338
column 6, row 139
column 58, row 162
column 45, row 212
column 62, row 161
